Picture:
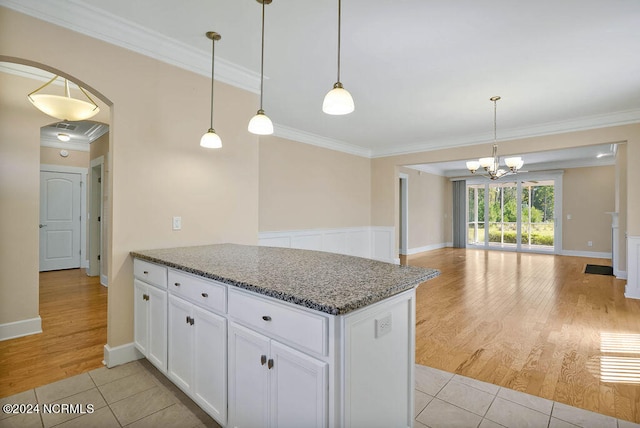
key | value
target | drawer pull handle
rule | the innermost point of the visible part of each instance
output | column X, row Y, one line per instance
column 177, row 284
column 205, row 295
column 270, row 364
column 266, row 318
column 146, row 272
column 188, row 318
column 263, row 360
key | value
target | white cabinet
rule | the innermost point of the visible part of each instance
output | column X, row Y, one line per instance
column 273, row 385
column 150, row 313
column 198, row 355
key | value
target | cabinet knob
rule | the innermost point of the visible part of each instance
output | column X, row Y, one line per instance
column 263, row 360
column 177, row 284
column 205, row 295
column 188, row 317
column 266, row 317
column 270, row 364
column 145, row 297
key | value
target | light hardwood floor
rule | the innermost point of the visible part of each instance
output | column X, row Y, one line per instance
column 73, row 308
column 533, row 323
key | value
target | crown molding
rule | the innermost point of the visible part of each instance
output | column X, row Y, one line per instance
column 580, row 124
column 77, row 16
column 47, row 141
column 320, row 141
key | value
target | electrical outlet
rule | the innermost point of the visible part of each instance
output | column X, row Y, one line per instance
column 589, row 243
column 383, row 325
column 177, row 223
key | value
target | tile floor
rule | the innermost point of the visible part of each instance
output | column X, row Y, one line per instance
column 136, row 395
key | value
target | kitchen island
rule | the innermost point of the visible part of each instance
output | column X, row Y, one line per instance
column 263, row 336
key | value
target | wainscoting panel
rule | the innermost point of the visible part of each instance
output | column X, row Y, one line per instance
column 632, row 289
column 374, row 242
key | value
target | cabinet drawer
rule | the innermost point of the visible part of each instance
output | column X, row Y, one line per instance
column 204, row 292
column 150, row 273
column 301, row 328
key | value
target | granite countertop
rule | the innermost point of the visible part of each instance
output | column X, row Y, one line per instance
column 327, row 282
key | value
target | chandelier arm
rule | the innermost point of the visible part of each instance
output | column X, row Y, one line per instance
column 43, row 86
column 87, row 95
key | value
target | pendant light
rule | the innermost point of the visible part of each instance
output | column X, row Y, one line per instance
column 64, row 107
column 491, row 164
column 211, row 140
column 260, row 124
column 338, row 101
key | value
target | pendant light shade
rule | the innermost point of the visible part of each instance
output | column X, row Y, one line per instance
column 260, row 124
column 63, row 107
column 338, row 100
column 211, row 140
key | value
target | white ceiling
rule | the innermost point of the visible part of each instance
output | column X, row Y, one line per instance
column 421, row 71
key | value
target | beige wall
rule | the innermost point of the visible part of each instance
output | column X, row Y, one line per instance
column 430, row 209
column 157, row 116
column 19, row 204
column 76, row 158
column 587, row 195
column 306, row 187
column 621, row 203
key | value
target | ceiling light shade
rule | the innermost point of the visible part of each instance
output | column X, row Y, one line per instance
column 491, row 164
column 63, row 107
column 210, row 139
column 64, row 137
column 473, row 165
column 260, row 124
column 338, row 100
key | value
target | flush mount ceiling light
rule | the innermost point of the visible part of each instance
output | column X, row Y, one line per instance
column 338, row 101
column 491, row 164
column 63, row 107
column 260, row 124
column 211, row 140
column 64, row 137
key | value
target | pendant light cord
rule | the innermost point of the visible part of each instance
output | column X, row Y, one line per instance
column 213, row 63
column 339, row 31
column 262, row 59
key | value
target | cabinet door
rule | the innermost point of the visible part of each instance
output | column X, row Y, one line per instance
column 181, row 334
column 298, row 390
column 210, row 352
column 248, row 378
column 140, row 317
column 157, row 306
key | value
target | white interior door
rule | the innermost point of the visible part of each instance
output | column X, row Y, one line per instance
column 60, row 210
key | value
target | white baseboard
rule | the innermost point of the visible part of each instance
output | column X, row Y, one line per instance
column 373, row 242
column 117, row 355
column 592, row 254
column 11, row 330
column 429, row 248
column 104, row 280
column 632, row 290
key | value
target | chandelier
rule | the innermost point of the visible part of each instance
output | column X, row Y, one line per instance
column 491, row 164
column 64, row 107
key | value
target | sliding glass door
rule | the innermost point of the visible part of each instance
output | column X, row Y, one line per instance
column 514, row 215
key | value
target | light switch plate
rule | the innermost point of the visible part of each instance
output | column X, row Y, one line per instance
column 383, row 325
